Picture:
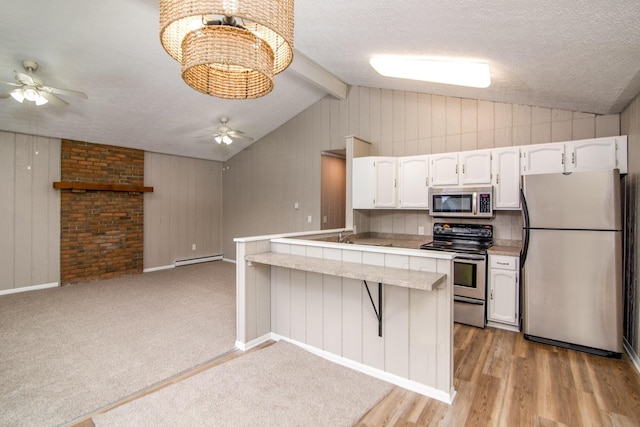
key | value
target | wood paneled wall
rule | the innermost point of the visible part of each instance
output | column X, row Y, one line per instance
column 630, row 126
column 264, row 180
column 183, row 210
column 29, row 211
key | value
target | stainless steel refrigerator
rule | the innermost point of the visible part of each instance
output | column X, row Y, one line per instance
column 572, row 261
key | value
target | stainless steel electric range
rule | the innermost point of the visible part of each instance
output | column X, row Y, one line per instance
column 470, row 243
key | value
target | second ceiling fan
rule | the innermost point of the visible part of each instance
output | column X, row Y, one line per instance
column 224, row 134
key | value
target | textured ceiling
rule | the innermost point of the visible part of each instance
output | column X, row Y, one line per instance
column 575, row 55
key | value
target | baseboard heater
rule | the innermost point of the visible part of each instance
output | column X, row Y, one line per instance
column 181, row 262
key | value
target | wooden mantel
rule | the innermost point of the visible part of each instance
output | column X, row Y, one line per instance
column 91, row 186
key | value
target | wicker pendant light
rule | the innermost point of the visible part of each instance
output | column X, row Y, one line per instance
column 229, row 48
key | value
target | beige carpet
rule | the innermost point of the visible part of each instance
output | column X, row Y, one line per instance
column 280, row 385
column 67, row 351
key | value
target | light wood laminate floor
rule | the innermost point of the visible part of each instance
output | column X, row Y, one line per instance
column 504, row 380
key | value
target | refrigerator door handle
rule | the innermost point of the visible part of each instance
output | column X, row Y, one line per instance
column 525, row 240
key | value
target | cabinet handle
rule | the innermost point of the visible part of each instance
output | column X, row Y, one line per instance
column 456, row 169
column 562, row 159
column 502, row 263
column 463, row 169
column 497, row 178
column 491, row 296
column 573, row 158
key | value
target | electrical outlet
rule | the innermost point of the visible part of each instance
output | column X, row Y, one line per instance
column 421, row 230
column 193, row 247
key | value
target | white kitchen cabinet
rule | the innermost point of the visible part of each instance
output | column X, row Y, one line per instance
column 374, row 182
column 464, row 168
column 575, row 156
column 542, row 158
column 596, row 154
column 413, row 186
column 443, row 169
column 505, row 166
column 475, row 167
column 503, row 308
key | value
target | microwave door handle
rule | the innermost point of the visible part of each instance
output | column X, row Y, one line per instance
column 474, row 202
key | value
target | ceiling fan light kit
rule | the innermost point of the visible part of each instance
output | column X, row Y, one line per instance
column 229, row 48
column 33, row 89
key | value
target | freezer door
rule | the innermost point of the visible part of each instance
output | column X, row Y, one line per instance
column 580, row 200
column 573, row 288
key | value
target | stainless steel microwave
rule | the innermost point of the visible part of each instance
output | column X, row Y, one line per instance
column 461, row 202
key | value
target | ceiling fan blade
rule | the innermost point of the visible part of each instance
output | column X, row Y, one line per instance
column 54, row 100
column 239, row 135
column 24, row 78
column 5, row 95
column 11, row 84
column 243, row 137
column 65, row 92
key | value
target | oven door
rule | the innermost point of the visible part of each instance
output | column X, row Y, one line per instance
column 470, row 276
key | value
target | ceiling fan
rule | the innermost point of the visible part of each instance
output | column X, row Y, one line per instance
column 32, row 88
column 224, row 134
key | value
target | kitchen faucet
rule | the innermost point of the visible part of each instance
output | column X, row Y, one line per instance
column 343, row 239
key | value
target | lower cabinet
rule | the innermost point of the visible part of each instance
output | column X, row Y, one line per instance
column 503, row 308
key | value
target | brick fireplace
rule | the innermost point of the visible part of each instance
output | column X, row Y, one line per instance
column 101, row 231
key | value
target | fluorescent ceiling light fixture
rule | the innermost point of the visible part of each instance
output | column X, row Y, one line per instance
column 461, row 73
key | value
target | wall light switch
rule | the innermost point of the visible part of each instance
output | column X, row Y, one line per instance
column 193, row 247
column 421, row 230
column 309, row 219
column 295, row 205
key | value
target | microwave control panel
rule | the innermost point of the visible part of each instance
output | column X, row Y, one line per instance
column 484, row 201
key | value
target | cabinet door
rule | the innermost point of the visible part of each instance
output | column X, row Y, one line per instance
column 505, row 165
column 413, row 190
column 385, row 182
column 542, row 158
column 444, row 169
column 503, row 296
column 362, row 183
column 590, row 154
column 475, row 167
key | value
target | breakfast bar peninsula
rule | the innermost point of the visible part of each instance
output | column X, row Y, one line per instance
column 385, row 311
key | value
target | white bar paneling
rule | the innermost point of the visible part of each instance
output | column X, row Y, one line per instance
column 314, row 311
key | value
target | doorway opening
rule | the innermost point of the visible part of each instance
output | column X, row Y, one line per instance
column 333, row 189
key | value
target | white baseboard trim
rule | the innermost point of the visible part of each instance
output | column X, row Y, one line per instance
column 181, row 262
column 373, row 372
column 162, row 267
column 233, row 261
column 255, row 342
column 29, row 288
column 632, row 355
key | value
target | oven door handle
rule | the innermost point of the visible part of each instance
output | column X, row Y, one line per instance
column 470, row 257
column 467, row 300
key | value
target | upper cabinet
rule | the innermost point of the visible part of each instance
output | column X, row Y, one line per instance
column 374, row 182
column 542, row 158
column 413, row 186
column 475, row 167
column 505, row 166
column 403, row 182
column 465, row 168
column 575, row 156
column 600, row 153
column 444, row 169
